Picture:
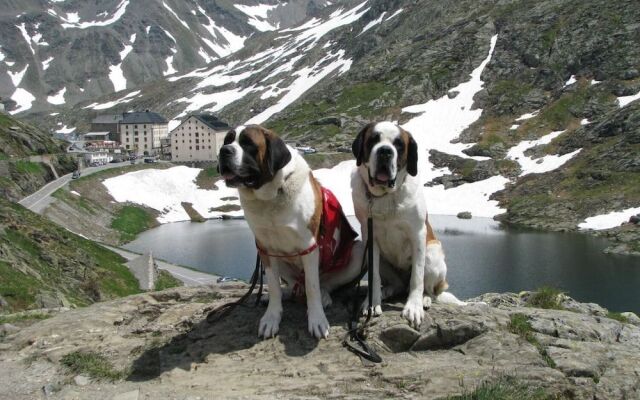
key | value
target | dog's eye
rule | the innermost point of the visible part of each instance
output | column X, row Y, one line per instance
column 230, row 137
column 398, row 144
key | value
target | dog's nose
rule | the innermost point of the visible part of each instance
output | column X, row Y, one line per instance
column 226, row 151
column 385, row 152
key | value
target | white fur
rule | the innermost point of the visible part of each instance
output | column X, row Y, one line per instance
column 279, row 213
column 400, row 234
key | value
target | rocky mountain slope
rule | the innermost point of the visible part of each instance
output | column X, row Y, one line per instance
column 500, row 95
column 43, row 265
column 29, row 158
column 159, row 345
column 54, row 52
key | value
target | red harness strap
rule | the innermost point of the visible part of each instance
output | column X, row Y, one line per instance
column 335, row 240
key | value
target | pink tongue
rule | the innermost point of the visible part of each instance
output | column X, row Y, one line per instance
column 382, row 177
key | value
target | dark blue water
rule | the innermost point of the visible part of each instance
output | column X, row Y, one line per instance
column 481, row 257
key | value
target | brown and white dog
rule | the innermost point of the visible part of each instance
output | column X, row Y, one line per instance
column 405, row 247
column 283, row 205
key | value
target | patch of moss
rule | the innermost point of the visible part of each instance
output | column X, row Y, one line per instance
column 618, row 317
column 17, row 288
column 13, row 318
column 506, row 388
column 207, row 178
column 28, row 167
column 519, row 325
column 546, row 297
column 131, row 220
column 93, row 365
column 165, row 280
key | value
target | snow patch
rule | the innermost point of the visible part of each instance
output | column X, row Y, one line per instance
column 625, row 100
column 125, row 99
column 116, row 75
column 175, row 15
column 57, row 98
column 610, row 220
column 164, row 190
column 220, row 34
column 75, row 193
column 64, row 129
column 16, row 77
column 258, row 15
column 527, row 116
column 46, row 63
column 23, row 99
column 23, row 30
column 307, row 77
column 540, row 165
column 571, row 81
column 73, row 21
column 373, row 23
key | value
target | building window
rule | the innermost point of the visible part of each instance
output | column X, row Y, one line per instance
column 189, row 147
column 197, row 147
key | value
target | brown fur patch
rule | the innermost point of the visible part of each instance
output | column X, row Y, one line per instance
column 259, row 137
column 431, row 236
column 314, row 224
column 440, row 287
column 402, row 158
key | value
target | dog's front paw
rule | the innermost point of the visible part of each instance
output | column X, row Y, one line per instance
column 269, row 324
column 426, row 302
column 376, row 309
column 318, row 324
column 413, row 312
column 326, row 298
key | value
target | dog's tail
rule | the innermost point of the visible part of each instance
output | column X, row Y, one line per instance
column 449, row 298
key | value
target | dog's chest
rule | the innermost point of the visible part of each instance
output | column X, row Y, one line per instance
column 394, row 238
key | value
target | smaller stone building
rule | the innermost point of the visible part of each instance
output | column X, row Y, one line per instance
column 198, row 138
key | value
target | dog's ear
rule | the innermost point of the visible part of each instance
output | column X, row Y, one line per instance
column 278, row 154
column 358, row 145
column 412, row 156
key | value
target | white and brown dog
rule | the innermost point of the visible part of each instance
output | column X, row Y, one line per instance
column 385, row 184
column 300, row 230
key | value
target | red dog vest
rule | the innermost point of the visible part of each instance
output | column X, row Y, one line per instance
column 335, row 240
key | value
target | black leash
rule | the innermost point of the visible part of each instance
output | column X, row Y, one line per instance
column 355, row 339
column 222, row 311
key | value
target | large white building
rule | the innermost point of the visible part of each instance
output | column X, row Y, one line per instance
column 198, row 138
column 142, row 132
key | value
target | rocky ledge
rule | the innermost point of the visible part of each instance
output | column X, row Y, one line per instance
column 159, row 345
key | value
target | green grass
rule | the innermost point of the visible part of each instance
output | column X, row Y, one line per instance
column 76, row 201
column 165, row 280
column 93, row 365
column 28, row 167
column 519, row 325
column 504, row 389
column 17, row 288
column 13, row 318
column 618, row 317
column 546, row 297
column 131, row 220
column 207, row 178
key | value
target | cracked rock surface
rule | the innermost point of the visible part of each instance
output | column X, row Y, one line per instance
column 164, row 348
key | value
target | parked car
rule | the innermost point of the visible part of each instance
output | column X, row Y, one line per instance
column 76, row 174
column 149, row 160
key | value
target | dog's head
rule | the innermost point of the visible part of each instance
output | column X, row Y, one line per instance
column 251, row 156
column 385, row 150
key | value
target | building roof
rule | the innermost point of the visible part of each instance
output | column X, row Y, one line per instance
column 212, row 121
column 96, row 134
column 107, row 119
column 145, row 117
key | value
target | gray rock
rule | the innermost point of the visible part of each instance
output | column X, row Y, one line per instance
column 464, row 215
column 132, row 395
column 81, row 380
column 631, row 317
column 8, row 329
column 399, row 337
column 631, row 73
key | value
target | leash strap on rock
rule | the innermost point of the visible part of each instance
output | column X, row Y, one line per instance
column 357, row 334
column 222, row 311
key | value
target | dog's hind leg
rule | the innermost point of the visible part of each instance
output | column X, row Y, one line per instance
column 332, row 281
column 392, row 282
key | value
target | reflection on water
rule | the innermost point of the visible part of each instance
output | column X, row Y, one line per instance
column 481, row 256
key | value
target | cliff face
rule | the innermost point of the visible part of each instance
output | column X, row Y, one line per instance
column 158, row 345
